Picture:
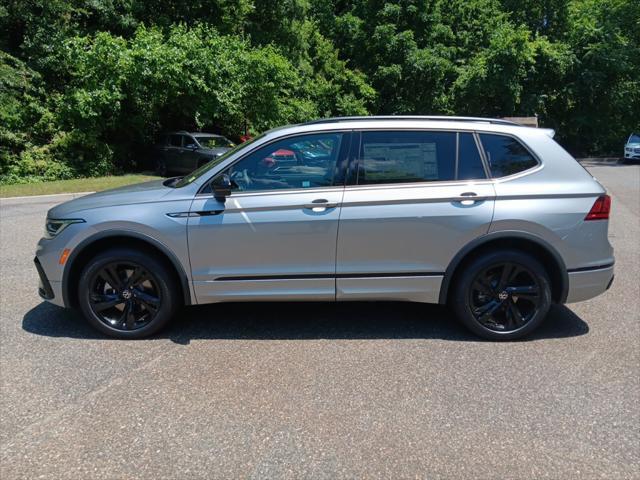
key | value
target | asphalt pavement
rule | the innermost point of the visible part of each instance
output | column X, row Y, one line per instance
column 320, row 390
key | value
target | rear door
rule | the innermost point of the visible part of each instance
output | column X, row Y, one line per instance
column 275, row 237
column 413, row 200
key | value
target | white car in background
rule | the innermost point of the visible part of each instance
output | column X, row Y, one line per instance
column 632, row 148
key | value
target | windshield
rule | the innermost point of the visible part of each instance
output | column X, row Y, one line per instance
column 634, row 138
column 187, row 179
column 214, row 142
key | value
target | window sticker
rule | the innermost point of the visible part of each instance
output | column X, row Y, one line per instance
column 397, row 160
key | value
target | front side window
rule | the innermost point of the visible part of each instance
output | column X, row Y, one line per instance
column 207, row 167
column 175, row 140
column 307, row 161
column 404, row 157
column 506, row 155
column 189, row 142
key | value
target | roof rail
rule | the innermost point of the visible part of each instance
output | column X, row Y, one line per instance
column 496, row 121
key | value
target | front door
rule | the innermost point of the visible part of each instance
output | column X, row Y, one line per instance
column 275, row 237
column 173, row 153
column 190, row 155
column 415, row 199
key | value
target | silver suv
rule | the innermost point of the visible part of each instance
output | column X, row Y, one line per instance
column 494, row 219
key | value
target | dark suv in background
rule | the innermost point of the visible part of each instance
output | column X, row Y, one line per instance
column 183, row 152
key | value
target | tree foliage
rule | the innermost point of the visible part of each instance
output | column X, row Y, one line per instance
column 86, row 85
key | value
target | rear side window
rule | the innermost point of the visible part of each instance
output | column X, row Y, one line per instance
column 403, row 157
column 506, row 155
column 469, row 161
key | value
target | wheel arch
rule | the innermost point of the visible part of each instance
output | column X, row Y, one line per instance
column 117, row 238
column 525, row 242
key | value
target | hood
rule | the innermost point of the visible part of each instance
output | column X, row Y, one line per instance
column 127, row 195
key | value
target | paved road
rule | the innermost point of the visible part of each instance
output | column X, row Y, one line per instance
column 321, row 391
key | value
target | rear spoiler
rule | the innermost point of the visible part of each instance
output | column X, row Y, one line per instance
column 549, row 132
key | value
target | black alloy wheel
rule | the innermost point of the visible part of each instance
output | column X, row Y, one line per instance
column 125, row 296
column 502, row 295
column 126, row 293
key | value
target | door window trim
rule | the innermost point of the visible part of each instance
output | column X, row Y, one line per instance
column 341, row 165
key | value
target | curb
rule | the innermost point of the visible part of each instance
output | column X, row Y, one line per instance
column 37, row 198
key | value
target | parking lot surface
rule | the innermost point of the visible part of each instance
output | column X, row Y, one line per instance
column 321, row 390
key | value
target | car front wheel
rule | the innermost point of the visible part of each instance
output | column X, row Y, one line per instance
column 127, row 294
column 502, row 295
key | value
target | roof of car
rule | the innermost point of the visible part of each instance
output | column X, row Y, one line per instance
column 437, row 118
column 490, row 125
column 194, row 134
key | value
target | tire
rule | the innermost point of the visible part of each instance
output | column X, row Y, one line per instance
column 502, row 295
column 161, row 168
column 125, row 293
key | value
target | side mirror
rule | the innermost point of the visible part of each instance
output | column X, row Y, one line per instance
column 192, row 146
column 222, row 187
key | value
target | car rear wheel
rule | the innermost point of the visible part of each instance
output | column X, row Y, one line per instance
column 127, row 294
column 502, row 295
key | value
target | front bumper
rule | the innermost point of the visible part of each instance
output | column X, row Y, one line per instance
column 49, row 290
column 44, row 288
column 586, row 284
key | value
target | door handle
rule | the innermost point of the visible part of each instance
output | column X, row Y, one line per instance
column 468, row 198
column 320, row 205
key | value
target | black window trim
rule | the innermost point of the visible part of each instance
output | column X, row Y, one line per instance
column 483, row 154
column 341, row 164
column 352, row 173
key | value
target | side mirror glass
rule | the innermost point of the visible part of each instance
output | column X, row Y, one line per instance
column 222, row 187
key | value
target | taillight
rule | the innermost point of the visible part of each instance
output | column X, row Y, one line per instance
column 600, row 209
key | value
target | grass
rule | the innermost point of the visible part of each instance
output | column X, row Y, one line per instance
column 72, row 186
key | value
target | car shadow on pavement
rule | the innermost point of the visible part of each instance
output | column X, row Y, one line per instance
column 301, row 321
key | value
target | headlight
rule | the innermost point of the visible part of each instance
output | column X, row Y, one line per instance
column 627, row 149
column 54, row 227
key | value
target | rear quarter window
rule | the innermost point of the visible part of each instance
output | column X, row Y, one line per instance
column 506, row 155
